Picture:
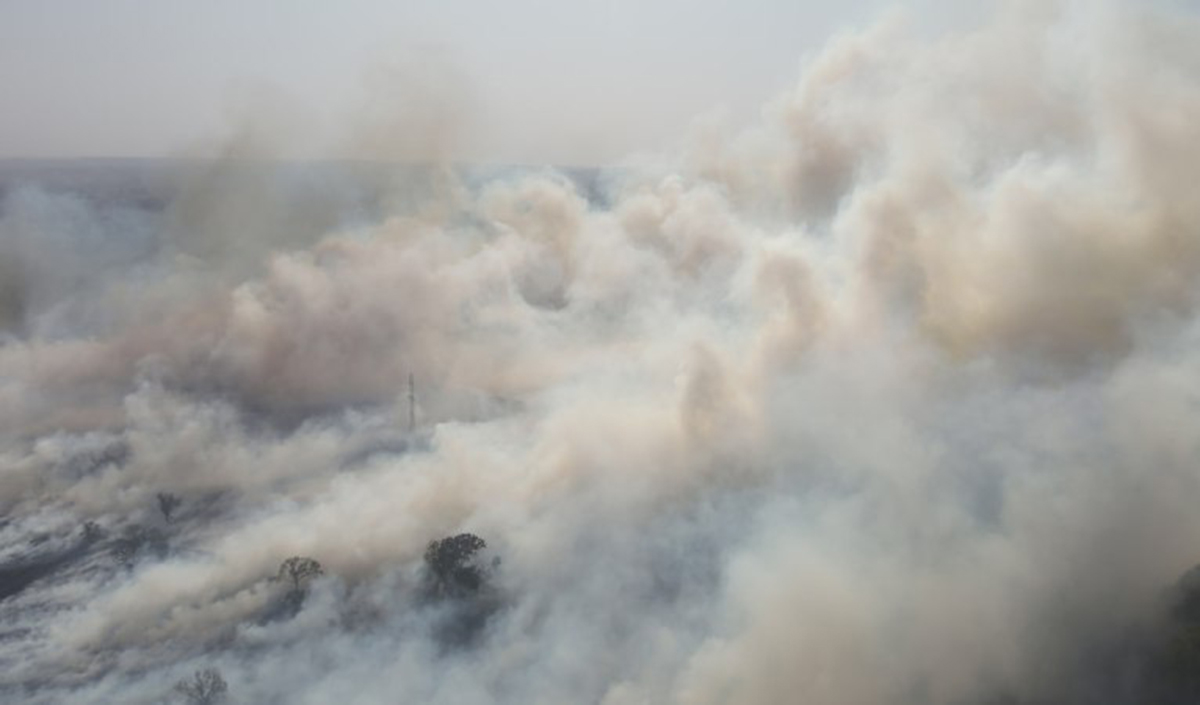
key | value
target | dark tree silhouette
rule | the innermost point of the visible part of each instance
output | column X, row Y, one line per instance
column 1175, row 669
column 296, row 573
column 457, row 579
column 138, row 540
column 207, row 687
column 453, row 566
column 92, row 532
column 167, row 504
column 299, row 570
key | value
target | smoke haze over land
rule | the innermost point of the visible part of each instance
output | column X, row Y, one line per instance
column 891, row 397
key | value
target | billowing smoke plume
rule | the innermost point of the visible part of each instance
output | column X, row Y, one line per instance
column 891, row 398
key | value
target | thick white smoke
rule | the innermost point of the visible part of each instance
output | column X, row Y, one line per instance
column 891, row 398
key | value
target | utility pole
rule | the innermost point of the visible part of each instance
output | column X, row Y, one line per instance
column 412, row 404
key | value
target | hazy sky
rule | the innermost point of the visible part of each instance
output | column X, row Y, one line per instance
column 520, row 79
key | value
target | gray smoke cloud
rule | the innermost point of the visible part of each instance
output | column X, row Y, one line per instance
column 889, row 398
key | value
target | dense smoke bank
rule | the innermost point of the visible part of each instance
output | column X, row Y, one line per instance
column 891, row 398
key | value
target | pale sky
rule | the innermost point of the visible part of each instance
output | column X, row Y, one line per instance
column 518, row 80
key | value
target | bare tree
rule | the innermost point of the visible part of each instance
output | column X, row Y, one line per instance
column 299, row 570
column 207, row 687
column 168, row 503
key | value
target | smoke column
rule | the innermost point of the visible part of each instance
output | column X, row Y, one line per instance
column 890, row 398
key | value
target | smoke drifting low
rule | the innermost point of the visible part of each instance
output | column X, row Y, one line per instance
column 891, row 398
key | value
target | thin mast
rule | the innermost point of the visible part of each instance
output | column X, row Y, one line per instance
column 412, row 404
